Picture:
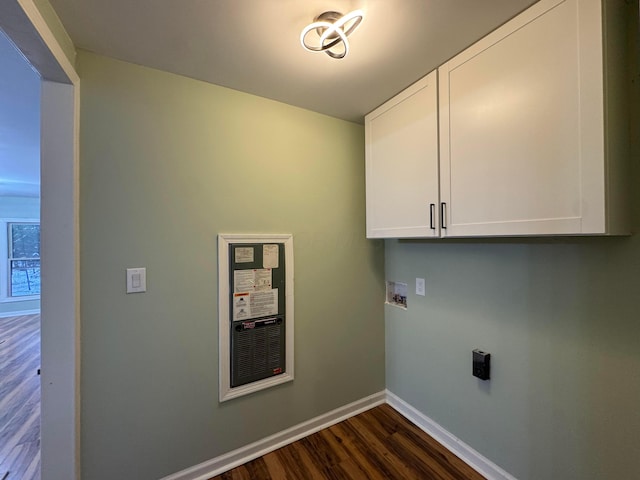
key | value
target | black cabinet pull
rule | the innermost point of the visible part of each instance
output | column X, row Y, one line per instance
column 443, row 215
column 432, row 214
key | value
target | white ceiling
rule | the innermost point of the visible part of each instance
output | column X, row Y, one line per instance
column 253, row 45
column 19, row 124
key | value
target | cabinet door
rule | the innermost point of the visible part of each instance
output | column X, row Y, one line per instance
column 402, row 164
column 522, row 126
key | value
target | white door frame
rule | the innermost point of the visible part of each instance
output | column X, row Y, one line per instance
column 60, row 299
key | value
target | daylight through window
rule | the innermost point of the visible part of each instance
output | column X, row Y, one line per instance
column 24, row 259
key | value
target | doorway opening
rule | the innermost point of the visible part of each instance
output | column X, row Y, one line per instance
column 20, row 279
column 23, row 24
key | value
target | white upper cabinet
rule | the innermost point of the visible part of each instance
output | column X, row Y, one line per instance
column 402, row 164
column 532, row 133
column 523, row 144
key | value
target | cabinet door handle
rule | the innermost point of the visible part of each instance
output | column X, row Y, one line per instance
column 443, row 215
column 432, row 214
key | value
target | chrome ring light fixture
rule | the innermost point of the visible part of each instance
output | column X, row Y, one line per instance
column 333, row 29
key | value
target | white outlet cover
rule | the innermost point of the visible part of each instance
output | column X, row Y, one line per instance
column 420, row 288
column 136, row 280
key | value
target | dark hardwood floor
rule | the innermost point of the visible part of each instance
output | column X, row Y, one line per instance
column 377, row 444
column 20, row 398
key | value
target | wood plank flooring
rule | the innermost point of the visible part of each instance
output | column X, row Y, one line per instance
column 379, row 444
column 20, row 398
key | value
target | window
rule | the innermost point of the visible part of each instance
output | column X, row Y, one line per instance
column 23, row 240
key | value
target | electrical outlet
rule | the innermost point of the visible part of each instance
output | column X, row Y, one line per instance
column 420, row 286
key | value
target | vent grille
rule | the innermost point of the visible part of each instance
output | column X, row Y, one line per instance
column 257, row 350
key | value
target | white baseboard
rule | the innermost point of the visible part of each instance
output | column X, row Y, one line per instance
column 19, row 313
column 481, row 464
column 223, row 463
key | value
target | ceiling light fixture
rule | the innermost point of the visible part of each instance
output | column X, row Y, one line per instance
column 333, row 29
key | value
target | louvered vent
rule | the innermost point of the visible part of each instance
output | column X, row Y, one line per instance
column 257, row 350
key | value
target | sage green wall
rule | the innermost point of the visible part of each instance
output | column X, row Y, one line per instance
column 561, row 318
column 167, row 163
column 12, row 208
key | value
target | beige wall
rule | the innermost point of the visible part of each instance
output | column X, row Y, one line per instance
column 167, row 163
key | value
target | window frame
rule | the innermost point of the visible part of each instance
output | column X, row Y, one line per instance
column 5, row 259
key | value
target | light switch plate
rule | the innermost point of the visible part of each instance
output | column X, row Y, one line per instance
column 420, row 286
column 136, row 280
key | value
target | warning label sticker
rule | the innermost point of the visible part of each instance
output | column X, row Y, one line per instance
column 247, row 305
column 264, row 303
column 251, row 280
column 244, row 255
column 241, row 306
